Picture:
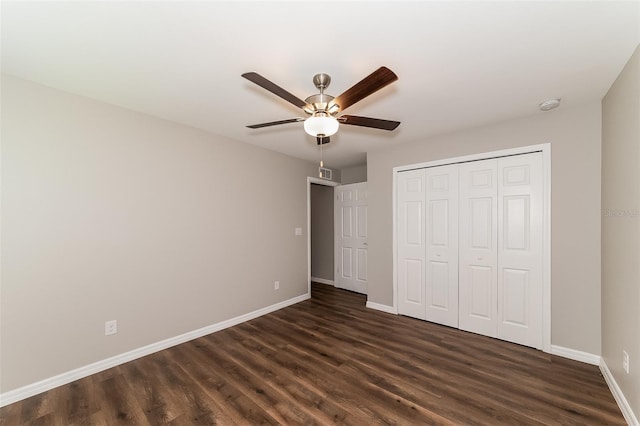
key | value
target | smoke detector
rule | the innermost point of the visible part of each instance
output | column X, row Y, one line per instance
column 549, row 104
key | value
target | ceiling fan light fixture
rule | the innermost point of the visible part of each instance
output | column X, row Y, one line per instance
column 321, row 124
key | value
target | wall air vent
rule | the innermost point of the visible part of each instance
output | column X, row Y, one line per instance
column 325, row 173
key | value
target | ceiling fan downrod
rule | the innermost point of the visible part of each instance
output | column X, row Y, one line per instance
column 319, row 103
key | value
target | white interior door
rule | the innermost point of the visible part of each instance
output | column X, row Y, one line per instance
column 411, row 244
column 441, row 236
column 478, row 247
column 350, row 218
column 520, row 210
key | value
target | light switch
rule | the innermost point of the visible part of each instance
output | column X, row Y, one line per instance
column 298, row 232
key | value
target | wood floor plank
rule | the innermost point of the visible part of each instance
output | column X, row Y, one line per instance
column 120, row 405
column 293, row 393
column 149, row 393
column 255, row 389
column 218, row 380
column 330, row 360
column 311, row 366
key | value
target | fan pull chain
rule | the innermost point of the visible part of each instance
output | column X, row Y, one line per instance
column 321, row 162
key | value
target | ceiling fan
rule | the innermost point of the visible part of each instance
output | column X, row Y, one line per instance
column 324, row 110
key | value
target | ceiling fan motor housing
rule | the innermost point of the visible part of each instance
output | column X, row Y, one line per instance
column 318, row 103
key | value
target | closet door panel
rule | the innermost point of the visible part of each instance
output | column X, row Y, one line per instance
column 441, row 284
column 520, row 210
column 478, row 247
column 481, row 304
column 411, row 221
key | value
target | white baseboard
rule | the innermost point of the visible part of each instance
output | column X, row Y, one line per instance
column 627, row 412
column 575, row 355
column 323, row 281
column 32, row 389
column 384, row 308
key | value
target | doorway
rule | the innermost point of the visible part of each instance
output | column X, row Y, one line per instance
column 320, row 243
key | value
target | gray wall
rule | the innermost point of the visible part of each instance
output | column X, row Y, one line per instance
column 621, row 229
column 575, row 135
column 322, row 232
column 111, row 214
column 355, row 174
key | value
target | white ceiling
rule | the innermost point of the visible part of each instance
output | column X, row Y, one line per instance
column 460, row 64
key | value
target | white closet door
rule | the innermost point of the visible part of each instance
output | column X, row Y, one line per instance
column 478, row 253
column 350, row 222
column 441, row 235
column 520, row 210
column 411, row 243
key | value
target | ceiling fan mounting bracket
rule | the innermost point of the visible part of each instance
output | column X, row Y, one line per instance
column 321, row 81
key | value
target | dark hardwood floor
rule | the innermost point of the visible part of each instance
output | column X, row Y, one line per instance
column 331, row 360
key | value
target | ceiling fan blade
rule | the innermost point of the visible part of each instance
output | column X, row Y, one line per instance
column 376, row 123
column 273, row 88
column 275, row 123
column 365, row 87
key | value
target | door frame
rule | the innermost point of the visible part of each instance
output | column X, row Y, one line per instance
column 545, row 149
column 317, row 181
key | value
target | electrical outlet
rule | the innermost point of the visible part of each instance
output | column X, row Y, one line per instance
column 110, row 327
column 276, row 285
column 625, row 361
